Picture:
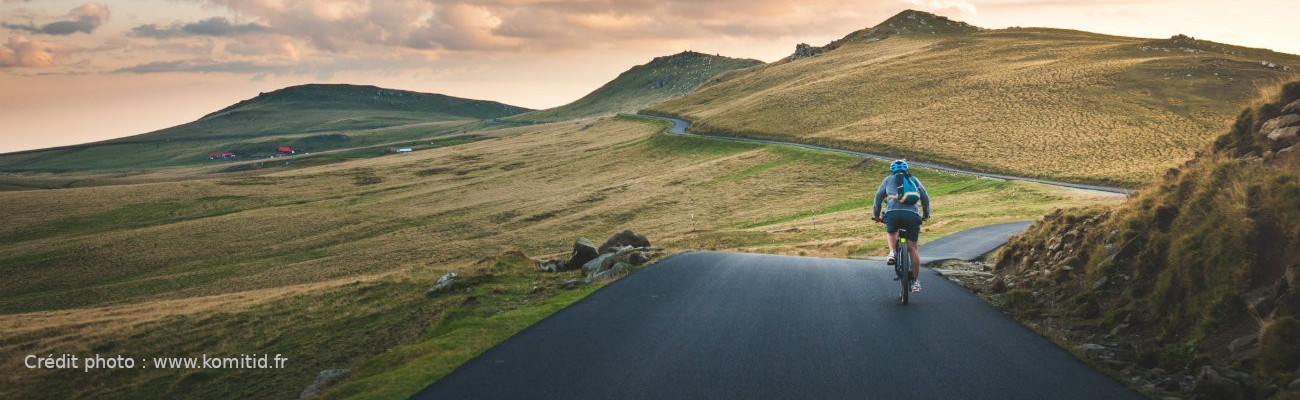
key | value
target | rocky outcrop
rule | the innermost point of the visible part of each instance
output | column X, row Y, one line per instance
column 804, row 50
column 445, row 283
column 1195, row 274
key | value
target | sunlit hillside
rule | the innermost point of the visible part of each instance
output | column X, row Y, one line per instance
column 660, row 79
column 1049, row 103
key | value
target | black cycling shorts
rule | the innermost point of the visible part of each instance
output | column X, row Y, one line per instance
column 905, row 220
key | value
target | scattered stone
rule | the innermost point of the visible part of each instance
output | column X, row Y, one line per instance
column 623, row 239
column 551, row 265
column 1243, row 343
column 1092, row 349
column 570, row 284
column 1211, row 384
column 323, row 381
column 1284, row 133
column 1280, row 122
column 608, row 274
column 1294, row 107
column 583, row 251
column 444, row 283
column 597, row 264
column 638, row 258
column 1294, row 385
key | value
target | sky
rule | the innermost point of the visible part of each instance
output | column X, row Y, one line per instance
column 75, row 71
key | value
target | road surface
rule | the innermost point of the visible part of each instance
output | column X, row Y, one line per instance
column 680, row 128
column 712, row 325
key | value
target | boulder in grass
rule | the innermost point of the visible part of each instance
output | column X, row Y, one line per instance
column 444, row 283
column 624, row 238
column 598, row 264
column 583, row 251
column 323, row 381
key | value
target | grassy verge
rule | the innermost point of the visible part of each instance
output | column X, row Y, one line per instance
column 406, row 369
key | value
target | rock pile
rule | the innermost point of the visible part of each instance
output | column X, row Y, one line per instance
column 621, row 251
column 1282, row 131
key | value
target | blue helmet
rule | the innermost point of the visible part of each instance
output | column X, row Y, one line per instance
column 898, row 166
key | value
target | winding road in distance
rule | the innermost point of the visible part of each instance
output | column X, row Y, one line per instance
column 679, row 128
column 713, row 325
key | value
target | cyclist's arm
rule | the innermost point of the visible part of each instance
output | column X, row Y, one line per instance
column 925, row 200
column 875, row 206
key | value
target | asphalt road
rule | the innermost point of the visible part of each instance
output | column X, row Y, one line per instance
column 680, row 128
column 713, row 325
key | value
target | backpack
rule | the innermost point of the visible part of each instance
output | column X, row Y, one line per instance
column 908, row 193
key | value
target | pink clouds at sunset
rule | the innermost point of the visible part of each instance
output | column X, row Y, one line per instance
column 172, row 61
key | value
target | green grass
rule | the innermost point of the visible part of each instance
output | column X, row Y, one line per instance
column 134, row 216
column 406, row 369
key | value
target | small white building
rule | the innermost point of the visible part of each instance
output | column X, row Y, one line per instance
column 404, row 150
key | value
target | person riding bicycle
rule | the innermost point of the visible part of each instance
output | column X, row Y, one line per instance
column 900, row 215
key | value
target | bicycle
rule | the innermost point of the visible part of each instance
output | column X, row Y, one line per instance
column 902, row 264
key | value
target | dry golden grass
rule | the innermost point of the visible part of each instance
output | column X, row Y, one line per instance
column 252, row 263
column 1038, row 102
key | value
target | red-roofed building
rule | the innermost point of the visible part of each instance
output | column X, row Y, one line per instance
column 284, row 150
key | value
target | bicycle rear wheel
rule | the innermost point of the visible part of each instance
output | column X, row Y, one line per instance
column 903, row 267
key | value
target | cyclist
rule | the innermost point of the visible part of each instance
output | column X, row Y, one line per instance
column 898, row 215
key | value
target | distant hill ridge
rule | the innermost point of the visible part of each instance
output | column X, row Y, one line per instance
column 908, row 23
column 323, row 116
column 366, row 97
column 660, row 79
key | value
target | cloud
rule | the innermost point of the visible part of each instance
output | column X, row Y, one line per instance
column 206, row 66
column 21, row 51
column 513, row 25
column 84, row 19
column 215, row 26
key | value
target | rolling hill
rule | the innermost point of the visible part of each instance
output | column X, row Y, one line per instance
column 313, row 117
column 1199, row 269
column 1049, row 103
column 328, row 264
column 661, row 79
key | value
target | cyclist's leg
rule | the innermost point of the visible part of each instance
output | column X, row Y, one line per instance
column 891, row 231
column 911, row 223
column 916, row 257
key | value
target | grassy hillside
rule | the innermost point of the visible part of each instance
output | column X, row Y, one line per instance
column 661, row 79
column 308, row 117
column 327, row 264
column 1048, row 103
column 1200, row 268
